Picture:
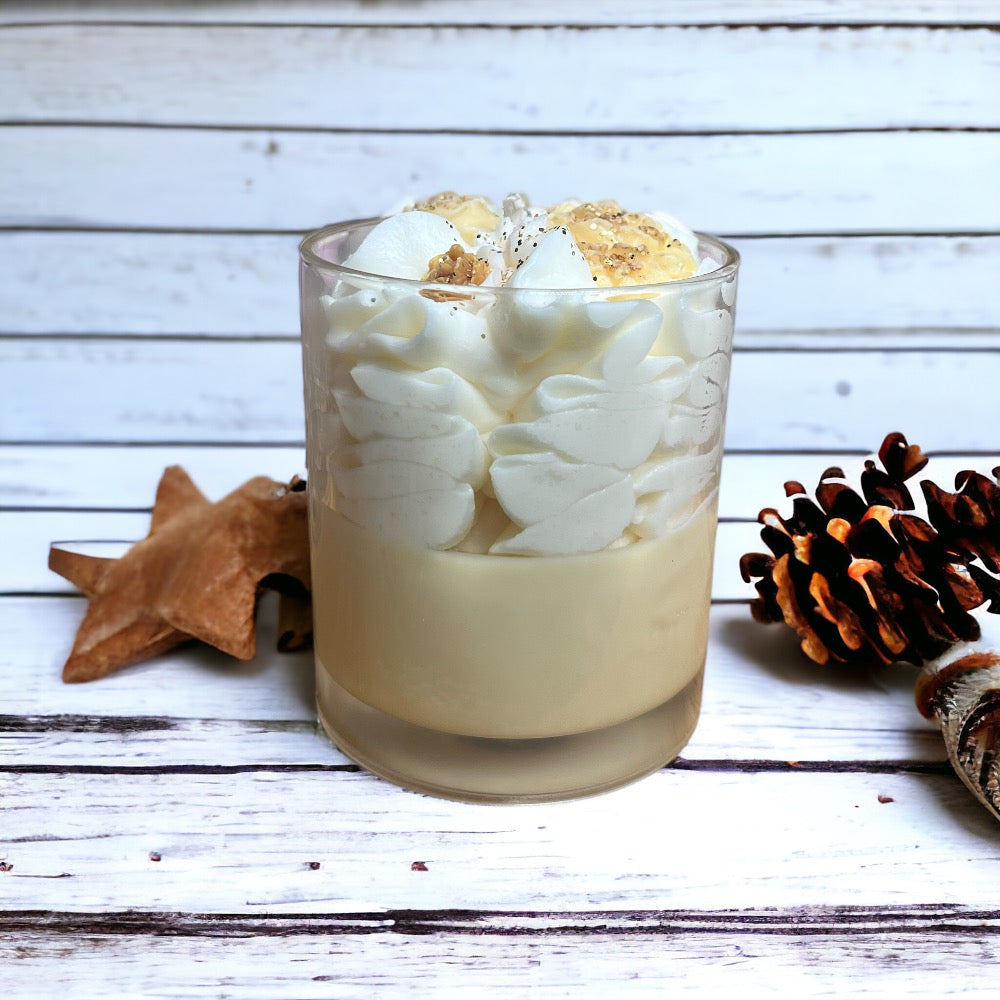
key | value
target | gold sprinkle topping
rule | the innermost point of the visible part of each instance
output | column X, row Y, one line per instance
column 456, row 267
column 623, row 248
column 469, row 214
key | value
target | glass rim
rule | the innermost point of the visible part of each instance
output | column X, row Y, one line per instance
column 309, row 256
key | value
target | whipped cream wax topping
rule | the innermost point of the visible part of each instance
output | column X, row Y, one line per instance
column 582, row 243
column 513, row 416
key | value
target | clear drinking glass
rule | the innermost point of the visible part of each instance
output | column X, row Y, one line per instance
column 513, row 500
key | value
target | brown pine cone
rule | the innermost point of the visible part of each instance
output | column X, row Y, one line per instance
column 863, row 582
column 969, row 520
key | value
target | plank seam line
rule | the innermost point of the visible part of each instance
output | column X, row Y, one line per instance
column 131, row 724
column 87, row 509
column 145, row 443
column 55, row 509
column 846, row 452
column 826, row 234
column 970, row 339
column 516, row 26
column 89, row 336
column 75, row 594
column 794, row 922
column 186, row 341
column 718, row 765
column 161, row 445
column 499, row 133
column 749, row 334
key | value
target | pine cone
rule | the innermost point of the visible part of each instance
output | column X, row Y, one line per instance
column 969, row 520
column 863, row 582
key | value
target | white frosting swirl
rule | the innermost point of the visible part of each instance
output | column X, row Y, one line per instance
column 522, row 422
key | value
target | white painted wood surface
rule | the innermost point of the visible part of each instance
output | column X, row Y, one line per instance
column 167, row 390
column 884, row 77
column 26, row 543
column 931, row 290
column 158, row 163
column 744, row 955
column 70, row 477
column 732, row 183
column 760, row 703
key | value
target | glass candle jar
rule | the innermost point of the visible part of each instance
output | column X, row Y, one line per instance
column 513, row 501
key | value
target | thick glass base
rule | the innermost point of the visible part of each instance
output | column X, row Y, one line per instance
column 473, row 769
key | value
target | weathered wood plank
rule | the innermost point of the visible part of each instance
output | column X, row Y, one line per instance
column 25, row 534
column 173, row 390
column 154, row 743
column 194, row 683
column 94, row 476
column 249, row 392
column 566, row 956
column 127, row 477
column 243, row 843
column 173, row 179
column 785, row 921
column 554, row 12
column 762, row 701
column 193, row 284
column 525, row 79
column 25, row 539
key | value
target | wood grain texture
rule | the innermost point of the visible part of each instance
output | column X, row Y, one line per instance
column 249, row 392
column 25, row 535
column 763, row 702
column 554, row 12
column 524, row 79
column 807, row 183
column 68, row 477
column 196, row 683
column 888, row 288
column 569, row 957
column 61, row 493
column 25, row 538
column 246, row 841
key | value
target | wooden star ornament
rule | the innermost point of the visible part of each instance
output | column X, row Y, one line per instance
column 196, row 575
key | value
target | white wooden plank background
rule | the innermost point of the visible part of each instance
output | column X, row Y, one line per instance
column 731, row 183
column 884, row 77
column 25, row 540
column 326, row 958
column 68, row 478
column 26, row 544
column 233, row 839
column 158, row 163
column 762, row 703
column 219, row 284
column 171, row 390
